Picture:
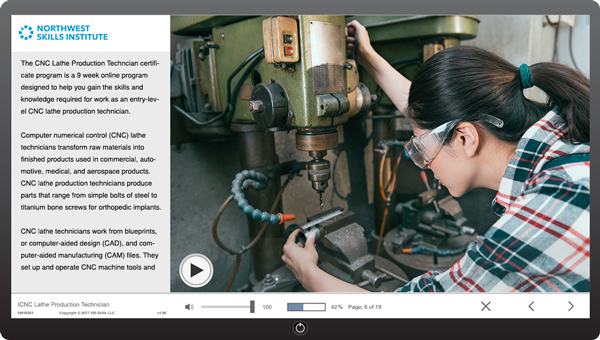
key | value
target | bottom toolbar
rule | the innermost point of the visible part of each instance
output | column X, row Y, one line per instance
column 291, row 305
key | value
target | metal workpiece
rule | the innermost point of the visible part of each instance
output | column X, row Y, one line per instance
column 308, row 231
column 257, row 149
column 269, row 105
column 312, row 225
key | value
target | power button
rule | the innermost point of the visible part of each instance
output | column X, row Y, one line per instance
column 300, row 328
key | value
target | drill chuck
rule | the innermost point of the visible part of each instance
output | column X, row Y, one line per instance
column 319, row 174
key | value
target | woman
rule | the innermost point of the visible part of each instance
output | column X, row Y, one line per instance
column 473, row 127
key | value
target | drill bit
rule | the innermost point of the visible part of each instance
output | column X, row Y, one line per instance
column 321, row 199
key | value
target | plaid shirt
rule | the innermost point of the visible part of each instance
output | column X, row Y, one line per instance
column 541, row 242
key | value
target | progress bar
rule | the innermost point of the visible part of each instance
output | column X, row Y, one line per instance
column 251, row 306
column 306, row 307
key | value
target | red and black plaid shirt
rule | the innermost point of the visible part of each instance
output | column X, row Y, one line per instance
column 542, row 240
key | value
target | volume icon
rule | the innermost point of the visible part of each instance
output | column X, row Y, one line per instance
column 189, row 306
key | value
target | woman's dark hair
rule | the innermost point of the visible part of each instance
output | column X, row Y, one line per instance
column 463, row 82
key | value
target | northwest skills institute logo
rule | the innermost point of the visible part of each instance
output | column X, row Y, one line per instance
column 26, row 32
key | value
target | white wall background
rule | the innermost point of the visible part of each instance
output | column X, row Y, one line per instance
column 530, row 39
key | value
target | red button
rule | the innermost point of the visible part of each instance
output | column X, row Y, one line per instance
column 289, row 50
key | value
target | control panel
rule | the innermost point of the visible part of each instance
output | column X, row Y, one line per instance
column 280, row 35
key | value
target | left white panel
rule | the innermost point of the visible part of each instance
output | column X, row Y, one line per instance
column 90, row 154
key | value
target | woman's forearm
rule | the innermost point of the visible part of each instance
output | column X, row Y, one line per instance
column 389, row 79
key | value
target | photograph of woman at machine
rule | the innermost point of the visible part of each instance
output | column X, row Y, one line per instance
column 473, row 127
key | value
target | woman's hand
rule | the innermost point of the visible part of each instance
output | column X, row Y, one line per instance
column 302, row 261
column 357, row 41
column 391, row 81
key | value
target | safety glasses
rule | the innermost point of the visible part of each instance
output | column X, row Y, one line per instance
column 423, row 149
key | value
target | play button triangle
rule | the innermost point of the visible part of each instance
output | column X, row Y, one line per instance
column 195, row 270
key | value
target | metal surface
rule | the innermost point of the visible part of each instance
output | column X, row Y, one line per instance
column 308, row 225
column 319, row 173
column 257, row 149
column 249, row 127
column 327, row 57
column 372, row 278
column 280, row 33
column 276, row 170
column 352, row 77
column 316, row 142
column 281, row 280
column 362, row 102
column 342, row 246
column 423, row 226
column 192, row 25
column 401, row 38
column 395, row 278
column 388, row 28
column 331, row 105
column 431, row 49
column 389, row 277
column 417, row 264
column 421, row 216
column 269, row 105
column 199, row 82
column 238, row 40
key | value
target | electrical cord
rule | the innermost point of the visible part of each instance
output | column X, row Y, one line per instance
column 230, row 106
column 237, row 70
column 555, row 51
column 571, row 50
column 386, row 198
column 238, row 259
column 197, row 122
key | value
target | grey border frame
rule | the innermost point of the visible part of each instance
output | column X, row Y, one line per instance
column 171, row 328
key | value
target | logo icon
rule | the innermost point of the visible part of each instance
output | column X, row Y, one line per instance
column 26, row 32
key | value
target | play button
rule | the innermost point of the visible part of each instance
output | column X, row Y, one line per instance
column 196, row 270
